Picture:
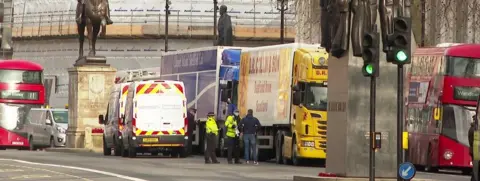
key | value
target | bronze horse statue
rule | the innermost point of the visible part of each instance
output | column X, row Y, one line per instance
column 93, row 16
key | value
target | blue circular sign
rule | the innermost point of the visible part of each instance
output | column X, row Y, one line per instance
column 406, row 171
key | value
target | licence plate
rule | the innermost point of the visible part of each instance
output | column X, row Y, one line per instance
column 17, row 143
column 150, row 140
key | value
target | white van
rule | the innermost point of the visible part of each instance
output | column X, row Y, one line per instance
column 112, row 123
column 155, row 119
column 47, row 127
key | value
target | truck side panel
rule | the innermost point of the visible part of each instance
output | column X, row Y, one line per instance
column 265, row 84
column 198, row 71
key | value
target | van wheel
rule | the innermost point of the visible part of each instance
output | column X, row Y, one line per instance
column 106, row 151
column 30, row 142
column 123, row 150
column 118, row 148
column 182, row 152
column 132, row 152
column 52, row 142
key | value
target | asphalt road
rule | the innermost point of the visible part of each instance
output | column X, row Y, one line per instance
column 51, row 166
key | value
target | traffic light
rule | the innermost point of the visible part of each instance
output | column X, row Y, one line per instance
column 400, row 41
column 370, row 54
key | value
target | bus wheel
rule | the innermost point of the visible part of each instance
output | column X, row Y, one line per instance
column 429, row 167
column 466, row 171
column 30, row 142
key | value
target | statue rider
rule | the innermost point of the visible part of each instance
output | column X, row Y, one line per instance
column 80, row 10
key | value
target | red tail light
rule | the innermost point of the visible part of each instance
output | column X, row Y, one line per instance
column 117, row 79
column 179, row 87
column 305, row 116
column 186, row 126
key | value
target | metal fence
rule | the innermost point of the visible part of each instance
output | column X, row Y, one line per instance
column 140, row 22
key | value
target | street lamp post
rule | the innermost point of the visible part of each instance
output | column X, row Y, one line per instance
column 215, row 9
column 282, row 7
column 167, row 12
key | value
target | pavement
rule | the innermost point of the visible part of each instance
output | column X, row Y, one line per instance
column 90, row 166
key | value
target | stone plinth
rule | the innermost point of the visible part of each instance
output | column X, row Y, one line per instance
column 349, row 115
column 89, row 89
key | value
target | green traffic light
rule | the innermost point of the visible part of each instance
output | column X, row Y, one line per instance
column 401, row 56
column 369, row 69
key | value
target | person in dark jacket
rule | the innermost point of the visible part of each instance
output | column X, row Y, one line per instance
column 191, row 125
column 249, row 125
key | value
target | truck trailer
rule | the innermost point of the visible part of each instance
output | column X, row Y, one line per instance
column 205, row 72
column 286, row 87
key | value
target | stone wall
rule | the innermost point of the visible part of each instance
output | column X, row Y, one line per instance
column 307, row 25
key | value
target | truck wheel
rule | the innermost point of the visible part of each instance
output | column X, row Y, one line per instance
column 279, row 148
column 221, row 148
column 295, row 160
column 106, row 151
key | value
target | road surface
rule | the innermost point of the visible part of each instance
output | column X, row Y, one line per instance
column 50, row 166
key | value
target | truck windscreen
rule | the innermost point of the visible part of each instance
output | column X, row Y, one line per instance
column 316, row 97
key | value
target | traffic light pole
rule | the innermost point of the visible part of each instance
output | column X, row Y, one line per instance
column 373, row 92
column 400, row 155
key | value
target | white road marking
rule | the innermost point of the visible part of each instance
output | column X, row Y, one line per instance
column 45, row 170
column 77, row 168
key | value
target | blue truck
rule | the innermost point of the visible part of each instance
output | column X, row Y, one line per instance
column 210, row 76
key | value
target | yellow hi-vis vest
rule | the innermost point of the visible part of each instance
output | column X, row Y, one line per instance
column 231, row 132
column 211, row 126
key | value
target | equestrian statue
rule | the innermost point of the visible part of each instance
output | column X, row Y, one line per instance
column 95, row 16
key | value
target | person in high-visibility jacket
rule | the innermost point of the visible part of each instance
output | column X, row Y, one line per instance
column 233, row 141
column 211, row 134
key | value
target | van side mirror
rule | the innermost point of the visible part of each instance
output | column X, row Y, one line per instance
column 101, row 120
column 48, row 122
column 297, row 98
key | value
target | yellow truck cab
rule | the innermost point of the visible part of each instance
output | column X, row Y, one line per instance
column 286, row 86
column 309, row 105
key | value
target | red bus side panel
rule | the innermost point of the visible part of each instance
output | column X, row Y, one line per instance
column 460, row 152
column 11, row 139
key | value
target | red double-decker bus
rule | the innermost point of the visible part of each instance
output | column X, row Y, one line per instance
column 444, row 84
column 21, row 88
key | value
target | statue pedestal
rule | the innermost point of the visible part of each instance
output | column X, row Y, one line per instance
column 89, row 90
column 349, row 118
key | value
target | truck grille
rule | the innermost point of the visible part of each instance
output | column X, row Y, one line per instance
column 322, row 132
